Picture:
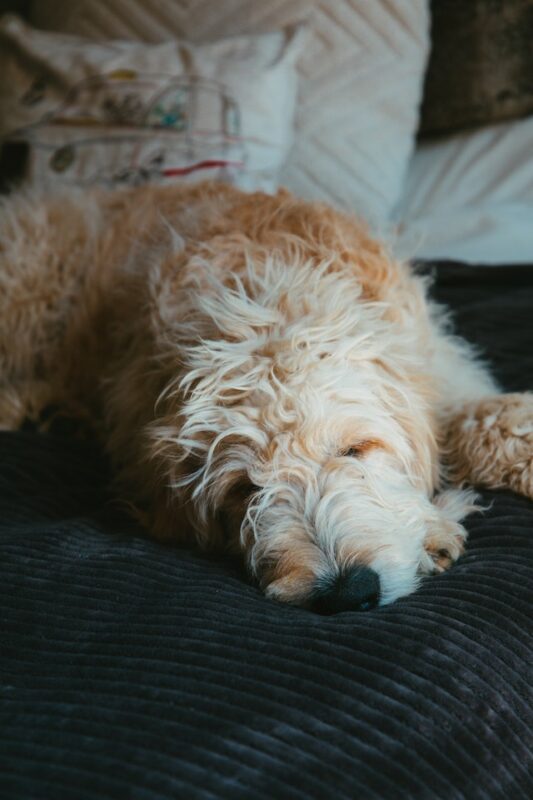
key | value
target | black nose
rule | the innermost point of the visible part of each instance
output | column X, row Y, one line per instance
column 357, row 589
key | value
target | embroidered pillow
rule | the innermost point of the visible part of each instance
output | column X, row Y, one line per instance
column 121, row 112
column 361, row 77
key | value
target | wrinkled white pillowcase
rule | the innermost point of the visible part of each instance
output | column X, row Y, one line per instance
column 469, row 197
column 119, row 112
column 361, row 78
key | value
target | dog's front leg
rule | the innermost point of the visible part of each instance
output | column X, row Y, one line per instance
column 21, row 401
column 489, row 442
column 486, row 437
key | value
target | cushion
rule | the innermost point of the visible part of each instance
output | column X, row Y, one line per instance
column 135, row 670
column 481, row 66
column 470, row 197
column 118, row 112
column 360, row 79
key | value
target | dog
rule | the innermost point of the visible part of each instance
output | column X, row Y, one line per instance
column 264, row 376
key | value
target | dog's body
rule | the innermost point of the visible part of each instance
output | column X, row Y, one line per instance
column 263, row 375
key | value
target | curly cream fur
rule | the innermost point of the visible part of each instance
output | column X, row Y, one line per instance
column 262, row 373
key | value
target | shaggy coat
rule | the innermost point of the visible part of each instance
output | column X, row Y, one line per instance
column 263, row 375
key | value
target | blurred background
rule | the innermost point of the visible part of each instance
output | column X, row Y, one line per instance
column 415, row 115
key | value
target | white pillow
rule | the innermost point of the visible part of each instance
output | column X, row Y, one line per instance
column 117, row 112
column 360, row 79
column 469, row 197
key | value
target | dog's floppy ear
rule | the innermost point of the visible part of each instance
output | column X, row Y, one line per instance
column 175, row 468
column 172, row 516
column 173, row 513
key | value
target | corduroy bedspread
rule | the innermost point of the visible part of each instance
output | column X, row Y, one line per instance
column 134, row 670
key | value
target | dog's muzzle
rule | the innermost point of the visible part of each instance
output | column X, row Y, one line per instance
column 356, row 589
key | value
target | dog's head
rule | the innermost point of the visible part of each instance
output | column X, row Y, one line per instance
column 301, row 431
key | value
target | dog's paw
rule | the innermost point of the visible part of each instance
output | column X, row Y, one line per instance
column 442, row 548
column 21, row 404
column 500, row 432
column 515, row 422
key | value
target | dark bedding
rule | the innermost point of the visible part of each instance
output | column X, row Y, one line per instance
column 132, row 670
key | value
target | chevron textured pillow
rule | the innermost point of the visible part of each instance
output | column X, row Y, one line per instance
column 360, row 79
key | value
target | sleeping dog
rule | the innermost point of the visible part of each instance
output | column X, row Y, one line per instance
column 264, row 376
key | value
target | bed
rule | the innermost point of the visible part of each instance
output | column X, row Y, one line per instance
column 130, row 669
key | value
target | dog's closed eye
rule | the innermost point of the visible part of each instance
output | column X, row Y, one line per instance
column 359, row 449
column 244, row 489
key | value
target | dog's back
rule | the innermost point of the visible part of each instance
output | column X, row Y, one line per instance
column 62, row 259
